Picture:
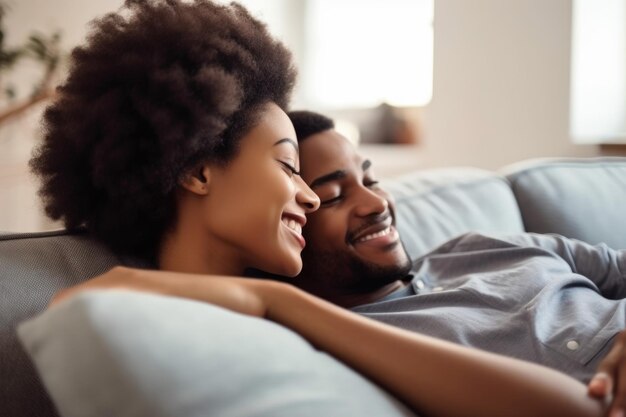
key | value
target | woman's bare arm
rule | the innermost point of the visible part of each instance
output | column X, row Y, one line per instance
column 434, row 377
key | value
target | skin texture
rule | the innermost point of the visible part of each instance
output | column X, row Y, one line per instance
column 234, row 217
column 343, row 263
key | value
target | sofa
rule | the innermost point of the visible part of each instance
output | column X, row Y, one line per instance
column 129, row 354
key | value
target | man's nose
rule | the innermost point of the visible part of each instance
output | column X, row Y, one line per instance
column 369, row 202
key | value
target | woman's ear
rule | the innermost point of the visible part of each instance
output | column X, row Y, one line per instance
column 197, row 180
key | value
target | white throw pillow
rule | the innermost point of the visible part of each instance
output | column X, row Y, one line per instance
column 123, row 354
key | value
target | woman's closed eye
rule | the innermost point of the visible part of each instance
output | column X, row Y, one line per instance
column 289, row 169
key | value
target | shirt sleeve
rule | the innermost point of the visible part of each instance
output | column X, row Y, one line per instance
column 605, row 266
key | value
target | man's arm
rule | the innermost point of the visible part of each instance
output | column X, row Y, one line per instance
column 432, row 376
column 604, row 266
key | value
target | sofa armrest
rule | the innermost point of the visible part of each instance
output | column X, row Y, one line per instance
column 33, row 266
column 581, row 198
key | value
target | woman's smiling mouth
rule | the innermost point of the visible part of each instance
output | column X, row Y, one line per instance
column 294, row 222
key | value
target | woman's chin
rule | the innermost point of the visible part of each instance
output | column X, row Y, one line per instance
column 292, row 271
column 285, row 271
column 290, row 266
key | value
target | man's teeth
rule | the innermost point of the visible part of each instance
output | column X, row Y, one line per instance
column 293, row 225
column 383, row 232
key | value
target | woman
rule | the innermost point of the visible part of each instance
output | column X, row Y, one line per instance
column 169, row 142
column 148, row 137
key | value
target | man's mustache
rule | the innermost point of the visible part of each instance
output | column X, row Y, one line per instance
column 368, row 222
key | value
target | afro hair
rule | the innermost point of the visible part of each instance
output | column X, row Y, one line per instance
column 159, row 87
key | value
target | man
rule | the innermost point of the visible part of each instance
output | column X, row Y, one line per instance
column 544, row 299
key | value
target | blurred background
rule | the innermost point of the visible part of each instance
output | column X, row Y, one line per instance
column 416, row 83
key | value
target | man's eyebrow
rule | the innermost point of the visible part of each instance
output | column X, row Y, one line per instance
column 333, row 176
column 337, row 175
column 287, row 140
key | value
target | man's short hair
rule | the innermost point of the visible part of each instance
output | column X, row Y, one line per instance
column 308, row 123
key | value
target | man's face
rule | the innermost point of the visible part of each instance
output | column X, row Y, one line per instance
column 352, row 244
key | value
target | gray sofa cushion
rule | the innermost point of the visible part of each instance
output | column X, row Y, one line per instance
column 579, row 198
column 126, row 354
column 434, row 206
column 32, row 268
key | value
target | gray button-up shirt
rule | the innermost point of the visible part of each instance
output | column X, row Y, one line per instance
column 541, row 298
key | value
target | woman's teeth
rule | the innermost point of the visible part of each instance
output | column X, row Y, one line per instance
column 293, row 225
column 375, row 235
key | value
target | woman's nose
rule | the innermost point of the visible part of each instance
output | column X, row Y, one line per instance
column 306, row 197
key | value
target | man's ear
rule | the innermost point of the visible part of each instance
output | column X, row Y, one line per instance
column 197, row 180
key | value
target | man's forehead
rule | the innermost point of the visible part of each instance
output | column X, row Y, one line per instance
column 326, row 152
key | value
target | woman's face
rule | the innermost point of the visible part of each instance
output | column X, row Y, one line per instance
column 255, row 206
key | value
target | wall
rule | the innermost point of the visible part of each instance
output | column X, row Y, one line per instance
column 19, row 208
column 501, row 84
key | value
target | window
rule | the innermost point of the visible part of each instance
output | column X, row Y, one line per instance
column 355, row 53
column 598, row 80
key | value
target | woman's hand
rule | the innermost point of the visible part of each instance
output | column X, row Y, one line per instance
column 609, row 382
column 243, row 295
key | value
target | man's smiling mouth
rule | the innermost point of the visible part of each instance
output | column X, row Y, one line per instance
column 371, row 236
column 376, row 227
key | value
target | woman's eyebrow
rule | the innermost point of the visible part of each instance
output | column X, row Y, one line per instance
column 288, row 140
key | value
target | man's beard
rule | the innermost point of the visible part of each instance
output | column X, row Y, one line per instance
column 329, row 273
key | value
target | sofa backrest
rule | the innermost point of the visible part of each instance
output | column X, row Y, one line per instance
column 436, row 205
column 33, row 267
column 579, row 198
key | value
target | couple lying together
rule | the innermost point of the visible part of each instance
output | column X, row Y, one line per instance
column 170, row 141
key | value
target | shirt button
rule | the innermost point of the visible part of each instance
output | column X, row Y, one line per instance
column 437, row 289
column 573, row 345
column 419, row 284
